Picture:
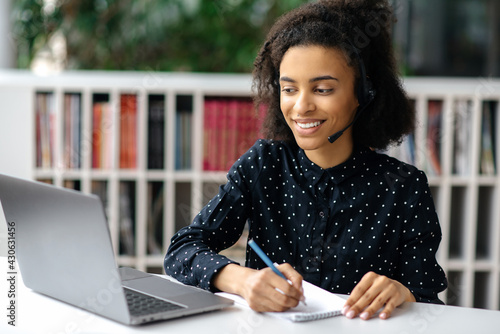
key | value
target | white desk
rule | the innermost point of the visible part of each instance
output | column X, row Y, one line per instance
column 40, row 314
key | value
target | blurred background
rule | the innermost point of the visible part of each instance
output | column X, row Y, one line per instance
column 78, row 76
column 431, row 37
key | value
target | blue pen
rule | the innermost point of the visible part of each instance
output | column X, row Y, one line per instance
column 267, row 260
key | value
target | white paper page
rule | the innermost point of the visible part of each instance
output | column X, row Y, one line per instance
column 320, row 303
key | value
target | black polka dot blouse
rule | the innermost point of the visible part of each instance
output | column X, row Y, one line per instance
column 371, row 213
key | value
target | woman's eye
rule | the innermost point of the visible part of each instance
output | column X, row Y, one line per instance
column 324, row 90
column 287, row 90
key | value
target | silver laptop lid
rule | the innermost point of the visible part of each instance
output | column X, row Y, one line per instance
column 63, row 246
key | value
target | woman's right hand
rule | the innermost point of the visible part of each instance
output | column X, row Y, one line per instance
column 263, row 290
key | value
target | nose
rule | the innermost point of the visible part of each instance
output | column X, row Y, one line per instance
column 304, row 103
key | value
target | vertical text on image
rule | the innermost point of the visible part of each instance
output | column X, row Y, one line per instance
column 11, row 274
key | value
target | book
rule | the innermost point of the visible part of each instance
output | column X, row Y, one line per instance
column 244, row 128
column 434, row 132
column 96, row 135
column 184, row 120
column 72, row 131
column 462, row 137
column 107, row 135
column 156, row 132
column 210, row 135
column 183, row 132
column 231, row 126
column 222, row 134
column 487, row 159
column 102, row 136
column 128, row 131
column 321, row 304
column 45, row 121
column 232, row 133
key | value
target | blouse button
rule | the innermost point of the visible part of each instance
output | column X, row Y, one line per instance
column 322, row 214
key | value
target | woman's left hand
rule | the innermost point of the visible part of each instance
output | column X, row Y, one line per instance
column 372, row 293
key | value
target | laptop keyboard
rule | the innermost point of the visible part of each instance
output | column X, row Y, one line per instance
column 140, row 304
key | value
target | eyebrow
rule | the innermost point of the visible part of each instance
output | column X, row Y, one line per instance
column 320, row 78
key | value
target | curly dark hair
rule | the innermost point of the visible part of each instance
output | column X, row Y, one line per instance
column 343, row 25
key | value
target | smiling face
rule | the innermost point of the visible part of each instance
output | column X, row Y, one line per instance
column 317, row 99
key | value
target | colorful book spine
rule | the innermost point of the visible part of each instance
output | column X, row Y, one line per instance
column 462, row 137
column 45, row 121
column 128, row 131
column 72, row 131
column 487, row 162
column 76, row 138
column 244, row 129
column 222, row 135
column 96, row 135
column 433, row 161
column 210, row 134
column 102, row 135
column 231, row 126
column 183, row 140
column 107, row 137
column 187, row 142
column 156, row 134
column 232, row 138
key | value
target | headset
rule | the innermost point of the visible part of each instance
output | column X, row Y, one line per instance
column 365, row 93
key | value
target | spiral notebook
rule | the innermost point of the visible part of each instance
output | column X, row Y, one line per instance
column 320, row 304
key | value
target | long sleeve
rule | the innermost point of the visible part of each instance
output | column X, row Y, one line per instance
column 192, row 257
column 332, row 225
column 421, row 235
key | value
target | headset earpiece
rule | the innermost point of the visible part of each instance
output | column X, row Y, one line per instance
column 366, row 93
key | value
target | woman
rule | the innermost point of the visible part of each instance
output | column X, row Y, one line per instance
column 316, row 196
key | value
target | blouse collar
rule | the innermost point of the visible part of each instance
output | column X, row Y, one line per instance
column 355, row 164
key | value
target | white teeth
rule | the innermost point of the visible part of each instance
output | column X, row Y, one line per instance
column 308, row 125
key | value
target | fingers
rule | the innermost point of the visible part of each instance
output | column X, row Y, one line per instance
column 293, row 276
column 267, row 292
column 269, row 300
column 372, row 293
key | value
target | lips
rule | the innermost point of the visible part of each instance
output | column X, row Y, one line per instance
column 307, row 126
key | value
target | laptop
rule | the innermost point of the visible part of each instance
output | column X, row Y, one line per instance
column 64, row 250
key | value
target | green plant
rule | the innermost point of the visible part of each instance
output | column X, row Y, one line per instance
column 168, row 35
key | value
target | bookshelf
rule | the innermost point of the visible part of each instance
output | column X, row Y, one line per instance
column 145, row 142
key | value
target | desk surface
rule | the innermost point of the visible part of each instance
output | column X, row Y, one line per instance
column 40, row 314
